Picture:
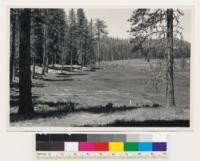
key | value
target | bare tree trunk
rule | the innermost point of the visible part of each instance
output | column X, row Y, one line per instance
column 47, row 64
column 98, row 50
column 170, row 60
column 62, row 61
column 62, row 67
column 13, row 50
column 53, row 60
column 25, row 96
column 33, row 70
column 71, row 60
column 44, row 50
column 81, row 58
column 14, row 70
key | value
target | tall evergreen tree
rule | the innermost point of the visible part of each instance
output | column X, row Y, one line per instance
column 13, row 18
column 45, row 37
column 100, row 31
column 91, row 44
column 170, row 60
column 81, row 31
column 56, row 35
column 72, row 37
column 25, row 96
column 37, row 38
column 62, row 37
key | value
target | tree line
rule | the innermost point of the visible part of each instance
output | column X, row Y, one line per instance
column 57, row 38
column 63, row 38
column 155, row 49
column 122, row 49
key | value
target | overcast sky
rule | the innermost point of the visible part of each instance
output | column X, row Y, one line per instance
column 116, row 20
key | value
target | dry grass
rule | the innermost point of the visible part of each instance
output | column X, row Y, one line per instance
column 122, row 83
column 103, row 119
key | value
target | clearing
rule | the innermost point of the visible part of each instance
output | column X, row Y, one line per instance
column 119, row 92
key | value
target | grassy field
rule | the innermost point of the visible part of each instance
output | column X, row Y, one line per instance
column 118, row 91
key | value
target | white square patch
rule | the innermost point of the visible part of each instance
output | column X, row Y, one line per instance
column 71, row 146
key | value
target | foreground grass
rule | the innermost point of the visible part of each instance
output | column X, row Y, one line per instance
column 103, row 118
column 150, row 123
column 60, row 98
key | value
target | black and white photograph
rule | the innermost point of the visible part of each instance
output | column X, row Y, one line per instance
column 99, row 67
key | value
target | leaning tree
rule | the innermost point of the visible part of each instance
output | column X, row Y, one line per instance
column 158, row 24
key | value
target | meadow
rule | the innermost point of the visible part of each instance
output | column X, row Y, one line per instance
column 119, row 93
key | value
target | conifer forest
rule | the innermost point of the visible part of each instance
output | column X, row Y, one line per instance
column 68, row 69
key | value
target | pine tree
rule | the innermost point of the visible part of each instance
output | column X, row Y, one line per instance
column 146, row 23
column 81, row 35
column 13, row 18
column 45, row 37
column 100, row 32
column 25, row 96
column 63, row 29
column 37, row 38
column 91, row 44
column 72, row 37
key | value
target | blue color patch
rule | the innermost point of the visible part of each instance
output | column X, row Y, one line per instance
column 145, row 146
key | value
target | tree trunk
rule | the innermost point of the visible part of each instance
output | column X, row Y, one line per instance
column 14, row 70
column 47, row 64
column 81, row 58
column 53, row 61
column 25, row 96
column 13, row 50
column 44, row 50
column 62, row 67
column 33, row 70
column 98, row 48
column 71, row 61
column 170, row 60
column 62, row 61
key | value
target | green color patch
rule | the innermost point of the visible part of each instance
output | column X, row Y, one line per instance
column 130, row 146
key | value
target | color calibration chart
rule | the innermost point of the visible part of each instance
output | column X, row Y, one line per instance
column 84, row 146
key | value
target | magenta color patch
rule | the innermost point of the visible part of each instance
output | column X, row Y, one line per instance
column 86, row 146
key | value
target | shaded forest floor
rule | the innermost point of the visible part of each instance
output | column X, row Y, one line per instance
column 119, row 93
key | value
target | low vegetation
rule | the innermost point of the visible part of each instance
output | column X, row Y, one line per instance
column 103, row 95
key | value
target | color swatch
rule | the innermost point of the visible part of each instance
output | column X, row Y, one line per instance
column 116, row 146
column 100, row 142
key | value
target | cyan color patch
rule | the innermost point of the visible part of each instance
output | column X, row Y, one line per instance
column 145, row 146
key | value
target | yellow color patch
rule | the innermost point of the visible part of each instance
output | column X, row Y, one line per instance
column 116, row 146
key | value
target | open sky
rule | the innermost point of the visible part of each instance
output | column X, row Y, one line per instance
column 116, row 20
